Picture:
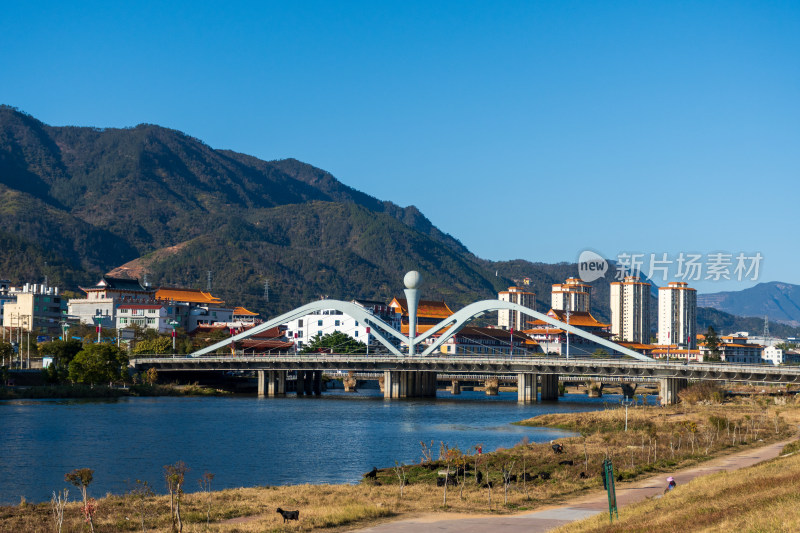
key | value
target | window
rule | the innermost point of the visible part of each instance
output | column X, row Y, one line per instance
column 336, row 322
column 299, row 332
column 319, row 323
column 356, row 323
column 356, row 333
column 319, row 333
column 300, row 323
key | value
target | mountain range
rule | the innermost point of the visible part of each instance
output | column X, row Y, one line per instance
column 78, row 202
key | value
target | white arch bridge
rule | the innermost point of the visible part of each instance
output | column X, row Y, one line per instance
column 415, row 375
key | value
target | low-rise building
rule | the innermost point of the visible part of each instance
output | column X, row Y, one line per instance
column 146, row 316
column 734, row 349
column 554, row 340
column 486, row 341
column 773, row 355
column 100, row 304
column 32, row 307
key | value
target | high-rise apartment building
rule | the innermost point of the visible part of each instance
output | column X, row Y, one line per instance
column 630, row 310
column 677, row 314
column 572, row 295
column 507, row 318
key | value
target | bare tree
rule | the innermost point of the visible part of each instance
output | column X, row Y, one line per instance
column 174, row 476
column 400, row 472
column 205, row 485
column 58, row 503
column 507, row 469
column 140, row 493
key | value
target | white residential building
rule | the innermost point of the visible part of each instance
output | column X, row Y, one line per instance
column 773, row 355
column 630, row 310
column 147, row 316
column 303, row 330
column 677, row 315
column 572, row 295
column 508, row 319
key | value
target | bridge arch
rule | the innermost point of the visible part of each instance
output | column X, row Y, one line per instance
column 377, row 326
column 458, row 320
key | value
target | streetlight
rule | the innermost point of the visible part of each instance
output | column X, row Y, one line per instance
column 627, row 403
column 64, row 329
column 173, row 323
column 98, row 320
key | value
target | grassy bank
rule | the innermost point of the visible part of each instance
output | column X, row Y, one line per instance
column 103, row 391
column 763, row 497
column 658, row 439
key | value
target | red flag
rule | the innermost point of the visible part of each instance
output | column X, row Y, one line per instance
column 367, row 330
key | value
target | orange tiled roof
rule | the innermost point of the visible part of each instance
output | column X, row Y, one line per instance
column 425, row 308
column 187, row 295
column 242, row 311
column 576, row 318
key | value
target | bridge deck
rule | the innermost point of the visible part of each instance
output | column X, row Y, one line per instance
column 622, row 368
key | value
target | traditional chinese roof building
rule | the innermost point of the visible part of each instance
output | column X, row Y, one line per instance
column 429, row 313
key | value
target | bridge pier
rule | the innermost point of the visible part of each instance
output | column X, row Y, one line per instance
column 405, row 384
column 549, row 387
column 526, row 388
column 670, row 387
column 271, row 383
column 455, row 387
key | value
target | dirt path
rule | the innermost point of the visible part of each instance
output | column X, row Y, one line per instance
column 554, row 516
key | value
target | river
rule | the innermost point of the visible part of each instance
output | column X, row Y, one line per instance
column 248, row 441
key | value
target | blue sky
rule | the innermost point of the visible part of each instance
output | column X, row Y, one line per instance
column 527, row 130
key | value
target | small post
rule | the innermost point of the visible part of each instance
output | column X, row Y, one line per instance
column 608, row 481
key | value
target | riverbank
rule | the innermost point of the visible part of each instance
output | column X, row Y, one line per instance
column 761, row 497
column 79, row 391
column 658, row 439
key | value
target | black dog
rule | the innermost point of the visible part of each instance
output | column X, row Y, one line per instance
column 544, row 475
column 566, row 463
column 557, row 448
column 584, row 476
column 372, row 473
column 289, row 515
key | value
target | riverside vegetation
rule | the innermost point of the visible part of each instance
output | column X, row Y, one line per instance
column 504, row 481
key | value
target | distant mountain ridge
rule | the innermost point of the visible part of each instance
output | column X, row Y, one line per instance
column 77, row 202
column 777, row 300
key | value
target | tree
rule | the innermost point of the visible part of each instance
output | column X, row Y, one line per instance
column 336, row 342
column 63, row 352
column 140, row 494
column 205, row 486
column 81, row 478
column 712, row 345
column 6, row 352
column 157, row 345
column 99, row 363
column 174, row 476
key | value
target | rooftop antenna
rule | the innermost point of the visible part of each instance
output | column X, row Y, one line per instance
column 208, row 280
column 266, row 290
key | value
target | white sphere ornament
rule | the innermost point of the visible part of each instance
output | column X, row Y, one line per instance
column 412, row 280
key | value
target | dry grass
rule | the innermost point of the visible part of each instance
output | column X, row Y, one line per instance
column 760, row 498
column 659, row 439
